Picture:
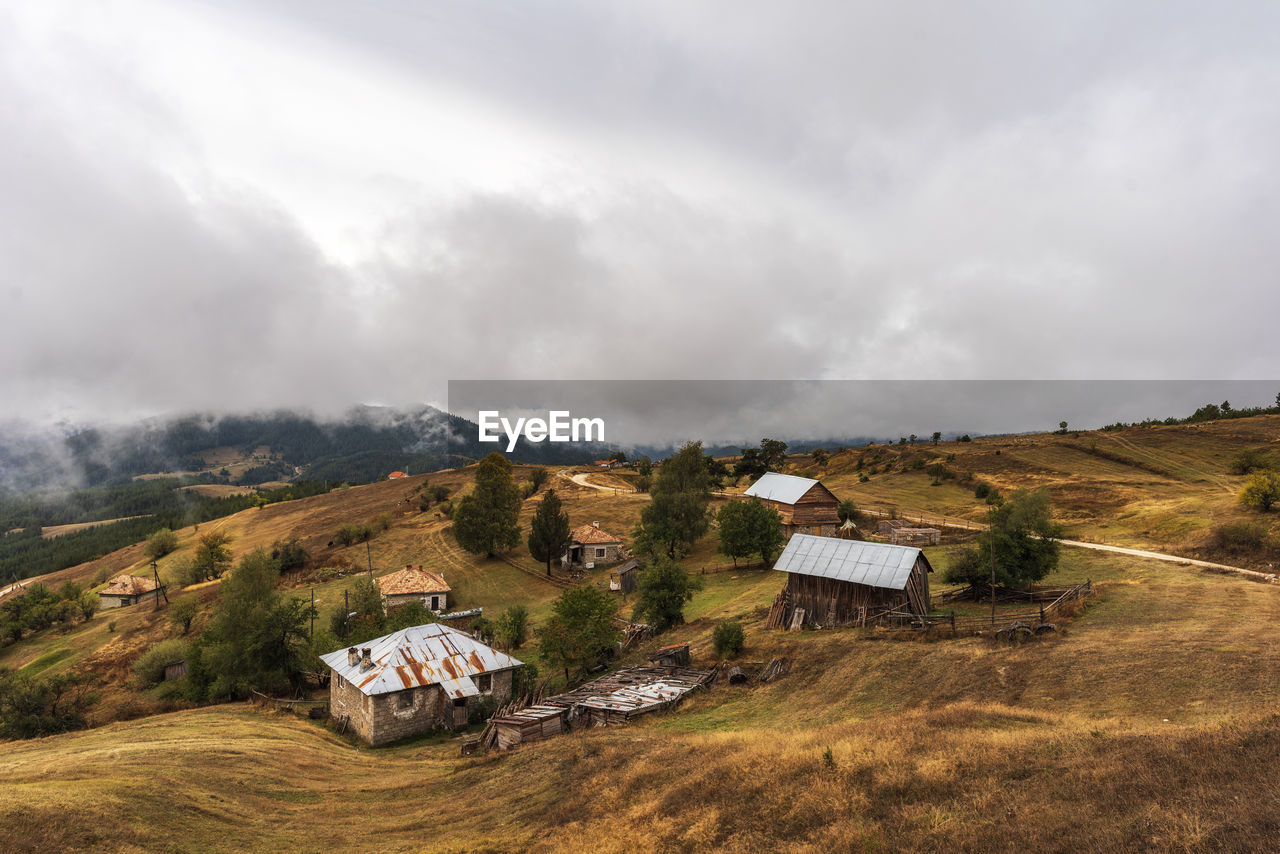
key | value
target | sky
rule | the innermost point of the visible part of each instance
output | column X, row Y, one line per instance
column 319, row 203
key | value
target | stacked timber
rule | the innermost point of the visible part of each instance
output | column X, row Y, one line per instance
column 777, row 618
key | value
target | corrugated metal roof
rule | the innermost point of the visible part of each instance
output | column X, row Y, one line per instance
column 873, row 564
column 433, row 654
column 783, row 488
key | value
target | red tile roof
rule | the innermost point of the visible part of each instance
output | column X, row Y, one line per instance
column 396, row 474
column 129, row 585
column 411, row 580
column 593, row 534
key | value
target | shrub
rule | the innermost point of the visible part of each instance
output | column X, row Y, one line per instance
column 1238, row 537
column 150, row 665
column 728, row 638
column 1261, row 491
column 32, row 707
column 161, row 543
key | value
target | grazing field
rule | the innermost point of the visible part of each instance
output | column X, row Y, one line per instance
column 1147, row 723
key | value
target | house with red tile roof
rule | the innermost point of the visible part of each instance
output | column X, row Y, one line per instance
column 124, row 590
column 415, row 584
column 589, row 544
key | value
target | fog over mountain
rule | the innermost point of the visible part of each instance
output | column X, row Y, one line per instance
column 246, row 206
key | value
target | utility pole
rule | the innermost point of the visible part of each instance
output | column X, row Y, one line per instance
column 311, row 635
column 993, row 574
column 346, row 615
column 368, row 551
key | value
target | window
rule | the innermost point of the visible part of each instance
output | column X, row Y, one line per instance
column 484, row 682
column 459, row 702
column 406, row 699
column 599, row 552
column 337, row 681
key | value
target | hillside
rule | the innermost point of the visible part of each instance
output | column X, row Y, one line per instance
column 1147, row 724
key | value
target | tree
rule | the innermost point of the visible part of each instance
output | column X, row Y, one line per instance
column 661, row 594
column 820, row 456
column 937, row 436
column 728, row 638
column 538, row 477
column 912, row 438
column 774, row 453
column 366, row 615
column 31, row 707
column 749, row 527
column 549, row 530
column 1025, row 543
column 512, row 627
column 485, row 522
column 847, row 510
column 717, row 471
column 1062, row 426
column 212, row 556
column 256, row 640
column 289, row 554
column 677, row 514
column 580, row 630
column 182, row 612
column 161, row 543
column 1261, row 491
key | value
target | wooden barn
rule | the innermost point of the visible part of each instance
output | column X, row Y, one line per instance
column 836, row 582
column 805, row 505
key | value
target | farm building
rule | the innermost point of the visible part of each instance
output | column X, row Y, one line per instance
column 396, row 475
column 415, row 584
column 915, row 536
column 805, row 505
column 625, row 576
column 530, row 724
column 124, row 590
column 415, row 680
column 588, row 544
column 836, row 582
column 674, row 655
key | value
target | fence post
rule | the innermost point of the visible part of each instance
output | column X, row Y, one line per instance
column 953, row 622
column 1042, row 612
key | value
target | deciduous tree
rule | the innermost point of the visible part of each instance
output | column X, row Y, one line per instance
column 485, row 521
column 677, row 514
column 662, row 592
column 580, row 630
column 1261, row 491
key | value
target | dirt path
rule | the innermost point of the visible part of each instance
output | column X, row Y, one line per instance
column 581, row 479
column 946, row 522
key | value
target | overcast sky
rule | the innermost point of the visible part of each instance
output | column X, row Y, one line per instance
column 317, row 203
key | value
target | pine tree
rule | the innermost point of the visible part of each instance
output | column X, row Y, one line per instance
column 549, row 530
column 484, row 522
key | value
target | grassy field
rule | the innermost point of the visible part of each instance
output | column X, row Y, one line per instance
column 1148, row 723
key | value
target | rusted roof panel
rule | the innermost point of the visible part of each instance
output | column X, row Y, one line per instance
column 433, row 654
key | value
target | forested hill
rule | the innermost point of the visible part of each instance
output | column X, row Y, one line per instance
column 362, row 446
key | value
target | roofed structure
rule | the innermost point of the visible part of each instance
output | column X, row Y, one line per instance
column 126, row 590
column 589, row 544
column 839, row 581
column 413, row 583
column 413, row 680
column 805, row 505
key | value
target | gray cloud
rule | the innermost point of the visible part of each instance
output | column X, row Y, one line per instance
column 647, row 190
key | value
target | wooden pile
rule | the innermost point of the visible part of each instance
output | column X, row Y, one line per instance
column 775, row 668
column 778, row 611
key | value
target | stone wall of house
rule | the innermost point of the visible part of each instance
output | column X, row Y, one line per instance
column 346, row 700
column 395, row 601
column 612, row 553
column 390, row 722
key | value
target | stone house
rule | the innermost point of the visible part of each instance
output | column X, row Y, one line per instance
column 124, row 590
column 415, row 584
column 589, row 544
column 415, row 680
column 805, row 505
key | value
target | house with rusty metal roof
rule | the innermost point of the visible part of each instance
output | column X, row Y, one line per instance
column 589, row 544
column 124, row 590
column 415, row 680
column 415, row 584
column 837, row 582
column 804, row 504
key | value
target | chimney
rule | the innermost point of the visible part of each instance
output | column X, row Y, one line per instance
column 595, row 524
column 353, row 657
column 366, row 658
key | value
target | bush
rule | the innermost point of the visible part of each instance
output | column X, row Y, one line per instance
column 151, row 664
column 1261, row 491
column 349, row 535
column 31, row 707
column 182, row 612
column 161, row 543
column 1238, row 538
column 728, row 638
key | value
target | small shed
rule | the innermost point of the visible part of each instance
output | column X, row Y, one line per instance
column 805, row 505
column 415, row 584
column 530, row 724
column 675, row 655
column 625, row 576
column 175, row 670
column 834, row 582
column 125, row 590
column 915, row 536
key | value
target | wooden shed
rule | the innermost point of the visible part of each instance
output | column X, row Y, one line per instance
column 805, row 505
column 675, row 655
column 624, row 576
column 835, row 582
column 530, row 724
